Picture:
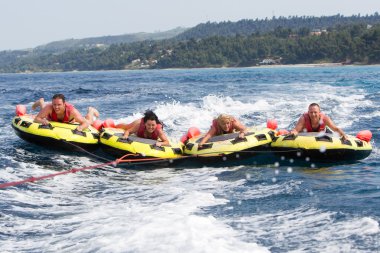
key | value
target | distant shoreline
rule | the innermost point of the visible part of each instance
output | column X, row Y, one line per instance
column 309, row 65
column 301, row 65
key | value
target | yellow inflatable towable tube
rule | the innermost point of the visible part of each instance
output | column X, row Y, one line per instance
column 112, row 142
column 321, row 147
column 256, row 139
column 55, row 135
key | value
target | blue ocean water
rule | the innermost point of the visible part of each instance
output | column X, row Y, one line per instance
column 240, row 208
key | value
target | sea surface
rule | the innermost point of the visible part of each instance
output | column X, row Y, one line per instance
column 233, row 208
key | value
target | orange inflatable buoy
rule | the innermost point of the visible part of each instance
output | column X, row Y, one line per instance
column 109, row 123
column 97, row 124
column 364, row 135
column 282, row 132
column 20, row 110
column 272, row 124
column 184, row 138
column 193, row 132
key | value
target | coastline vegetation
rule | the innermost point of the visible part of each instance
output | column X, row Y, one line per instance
column 352, row 43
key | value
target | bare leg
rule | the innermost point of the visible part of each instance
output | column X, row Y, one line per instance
column 39, row 103
column 92, row 115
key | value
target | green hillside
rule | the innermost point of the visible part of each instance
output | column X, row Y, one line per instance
column 335, row 39
column 104, row 41
column 247, row 27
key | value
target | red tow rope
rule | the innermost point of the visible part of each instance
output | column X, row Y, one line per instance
column 114, row 163
column 33, row 179
column 117, row 161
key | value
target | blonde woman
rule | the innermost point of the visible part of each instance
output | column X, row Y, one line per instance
column 224, row 124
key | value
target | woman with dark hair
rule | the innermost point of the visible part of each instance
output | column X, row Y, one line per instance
column 149, row 127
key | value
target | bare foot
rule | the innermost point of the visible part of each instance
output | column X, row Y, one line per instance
column 92, row 114
column 39, row 103
column 93, row 111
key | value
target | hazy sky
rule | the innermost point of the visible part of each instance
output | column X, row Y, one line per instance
column 29, row 23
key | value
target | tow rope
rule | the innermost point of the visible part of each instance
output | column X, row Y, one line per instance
column 75, row 170
column 33, row 179
column 114, row 163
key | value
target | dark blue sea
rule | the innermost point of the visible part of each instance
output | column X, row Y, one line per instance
column 246, row 207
